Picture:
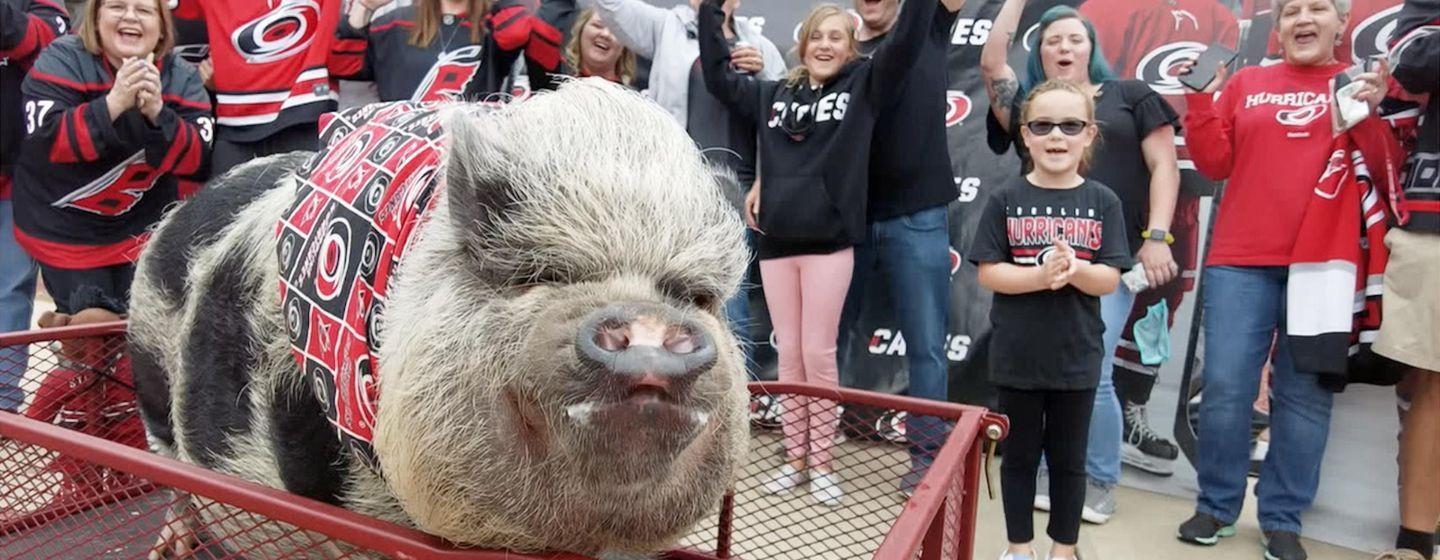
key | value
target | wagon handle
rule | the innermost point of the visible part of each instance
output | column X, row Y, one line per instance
column 997, row 426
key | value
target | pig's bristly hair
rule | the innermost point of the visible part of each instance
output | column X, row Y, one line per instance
column 543, row 198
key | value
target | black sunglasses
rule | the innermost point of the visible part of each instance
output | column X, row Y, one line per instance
column 1070, row 128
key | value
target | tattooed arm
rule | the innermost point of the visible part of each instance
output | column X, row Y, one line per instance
column 1000, row 82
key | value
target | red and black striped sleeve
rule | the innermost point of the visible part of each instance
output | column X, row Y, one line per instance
column 26, row 26
column 179, row 141
column 71, row 121
column 351, row 57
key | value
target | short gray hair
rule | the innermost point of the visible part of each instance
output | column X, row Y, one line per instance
column 1341, row 6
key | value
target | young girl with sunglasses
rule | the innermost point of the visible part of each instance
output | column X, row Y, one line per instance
column 814, row 129
column 1049, row 244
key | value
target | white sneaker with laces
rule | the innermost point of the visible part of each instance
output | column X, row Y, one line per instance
column 825, row 488
column 1017, row 555
column 784, row 480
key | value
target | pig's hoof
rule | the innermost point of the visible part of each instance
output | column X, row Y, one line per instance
column 178, row 536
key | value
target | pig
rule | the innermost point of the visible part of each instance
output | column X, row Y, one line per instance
column 554, row 370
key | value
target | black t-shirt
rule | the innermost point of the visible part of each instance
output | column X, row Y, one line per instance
column 1051, row 339
column 1127, row 111
column 909, row 157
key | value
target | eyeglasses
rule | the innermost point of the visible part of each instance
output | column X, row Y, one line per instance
column 117, row 9
column 1043, row 128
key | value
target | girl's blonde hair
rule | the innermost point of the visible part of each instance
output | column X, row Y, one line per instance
column 89, row 29
column 625, row 67
column 799, row 74
column 1067, row 87
column 428, row 16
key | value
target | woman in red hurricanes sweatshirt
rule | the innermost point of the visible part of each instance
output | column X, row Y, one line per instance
column 1269, row 132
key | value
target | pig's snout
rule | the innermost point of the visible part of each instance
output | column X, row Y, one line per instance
column 644, row 348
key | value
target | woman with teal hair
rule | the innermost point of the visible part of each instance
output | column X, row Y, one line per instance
column 1135, row 158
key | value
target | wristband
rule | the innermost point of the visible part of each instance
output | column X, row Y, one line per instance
column 1157, row 234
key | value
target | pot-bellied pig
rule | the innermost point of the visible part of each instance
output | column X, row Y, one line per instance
column 501, row 326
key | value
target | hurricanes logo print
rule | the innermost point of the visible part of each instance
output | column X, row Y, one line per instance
column 1302, row 116
column 1372, row 36
column 1158, row 67
column 450, row 75
column 280, row 33
column 957, row 107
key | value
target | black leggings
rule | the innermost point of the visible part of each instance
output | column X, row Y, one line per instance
column 1057, row 423
column 75, row 290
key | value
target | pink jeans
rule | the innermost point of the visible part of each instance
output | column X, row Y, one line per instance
column 806, row 294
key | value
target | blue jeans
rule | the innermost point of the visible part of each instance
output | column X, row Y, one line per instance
column 912, row 255
column 1244, row 309
column 737, row 312
column 1107, row 424
column 17, row 294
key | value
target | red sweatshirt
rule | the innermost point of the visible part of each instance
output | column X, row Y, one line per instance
column 1269, row 133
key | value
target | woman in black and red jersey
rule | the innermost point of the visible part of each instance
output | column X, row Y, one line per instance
column 117, row 118
column 1269, row 133
column 590, row 50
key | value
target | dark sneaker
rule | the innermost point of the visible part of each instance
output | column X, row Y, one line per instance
column 1204, row 529
column 1283, row 545
column 1142, row 447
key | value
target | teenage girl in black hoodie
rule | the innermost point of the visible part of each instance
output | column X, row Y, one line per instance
column 814, row 130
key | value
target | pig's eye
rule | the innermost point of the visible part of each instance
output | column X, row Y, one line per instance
column 688, row 294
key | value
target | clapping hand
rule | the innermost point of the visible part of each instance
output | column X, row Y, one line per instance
column 1060, row 264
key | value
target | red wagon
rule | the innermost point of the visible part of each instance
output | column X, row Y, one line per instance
column 77, row 480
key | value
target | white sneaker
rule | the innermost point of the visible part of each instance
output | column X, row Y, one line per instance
column 784, row 480
column 825, row 488
column 1017, row 556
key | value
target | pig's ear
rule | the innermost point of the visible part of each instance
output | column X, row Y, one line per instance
column 478, row 192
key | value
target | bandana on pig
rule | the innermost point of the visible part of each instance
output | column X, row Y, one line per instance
column 358, row 203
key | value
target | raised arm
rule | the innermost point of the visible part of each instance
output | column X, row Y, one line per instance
column 1209, row 124
column 1415, row 60
column 351, row 57
column 897, row 54
column 1001, row 85
column 24, row 32
column 635, row 23
column 740, row 93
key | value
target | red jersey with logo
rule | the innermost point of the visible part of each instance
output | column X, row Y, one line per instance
column 1146, row 40
column 1269, row 133
column 270, row 62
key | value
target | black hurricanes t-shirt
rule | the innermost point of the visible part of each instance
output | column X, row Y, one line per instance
column 1049, row 339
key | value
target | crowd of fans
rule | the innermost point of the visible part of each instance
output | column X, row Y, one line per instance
column 847, row 168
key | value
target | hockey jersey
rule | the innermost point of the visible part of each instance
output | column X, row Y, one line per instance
column 270, row 62
column 453, row 65
column 1415, row 61
column 26, row 26
column 87, row 189
column 1337, row 265
column 192, row 41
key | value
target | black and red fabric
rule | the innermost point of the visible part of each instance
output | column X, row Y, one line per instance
column 87, row 189
column 271, row 63
column 361, row 199
column 26, row 27
column 1337, row 265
